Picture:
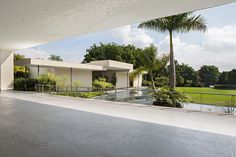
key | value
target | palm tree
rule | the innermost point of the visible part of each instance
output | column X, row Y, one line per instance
column 150, row 63
column 178, row 23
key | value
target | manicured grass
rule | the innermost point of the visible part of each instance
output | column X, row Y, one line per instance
column 210, row 95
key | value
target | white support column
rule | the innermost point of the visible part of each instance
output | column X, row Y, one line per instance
column 6, row 70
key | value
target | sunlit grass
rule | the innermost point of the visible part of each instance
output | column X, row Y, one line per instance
column 211, row 96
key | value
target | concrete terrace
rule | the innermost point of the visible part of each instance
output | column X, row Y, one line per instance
column 43, row 125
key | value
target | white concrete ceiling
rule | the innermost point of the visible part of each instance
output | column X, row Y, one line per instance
column 27, row 23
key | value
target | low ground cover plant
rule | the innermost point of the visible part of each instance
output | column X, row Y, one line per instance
column 87, row 95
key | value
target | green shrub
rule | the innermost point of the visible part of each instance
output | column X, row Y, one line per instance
column 225, row 86
column 72, row 94
column 25, row 84
column 87, row 95
column 61, row 81
column 146, row 83
column 169, row 98
column 47, row 79
column 161, row 81
column 101, row 83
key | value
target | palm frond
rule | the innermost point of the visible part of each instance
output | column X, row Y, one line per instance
column 191, row 23
column 148, row 56
column 180, row 23
column 162, row 61
column 159, row 25
column 136, row 72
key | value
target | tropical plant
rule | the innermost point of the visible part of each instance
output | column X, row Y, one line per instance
column 150, row 62
column 47, row 79
column 161, row 81
column 165, row 97
column 178, row 23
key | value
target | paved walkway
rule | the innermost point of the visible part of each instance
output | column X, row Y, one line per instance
column 45, row 125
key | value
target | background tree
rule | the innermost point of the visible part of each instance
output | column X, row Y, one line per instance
column 150, row 62
column 231, row 77
column 223, row 78
column 112, row 51
column 178, row 23
column 209, row 75
column 227, row 77
column 54, row 57
column 186, row 76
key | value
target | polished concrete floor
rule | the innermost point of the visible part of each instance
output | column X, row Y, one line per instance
column 30, row 129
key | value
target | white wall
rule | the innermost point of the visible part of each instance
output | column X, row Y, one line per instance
column 64, row 73
column 85, row 77
column 6, row 70
column 122, row 80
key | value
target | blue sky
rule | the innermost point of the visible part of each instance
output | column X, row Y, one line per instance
column 217, row 46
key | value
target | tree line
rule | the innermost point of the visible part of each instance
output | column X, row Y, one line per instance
column 186, row 76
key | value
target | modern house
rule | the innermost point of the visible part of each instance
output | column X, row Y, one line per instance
column 82, row 72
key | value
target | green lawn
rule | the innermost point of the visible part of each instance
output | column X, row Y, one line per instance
column 210, row 96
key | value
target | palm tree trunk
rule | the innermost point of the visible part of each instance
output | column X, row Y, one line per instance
column 172, row 63
column 152, row 80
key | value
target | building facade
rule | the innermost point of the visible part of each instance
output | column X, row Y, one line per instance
column 74, row 72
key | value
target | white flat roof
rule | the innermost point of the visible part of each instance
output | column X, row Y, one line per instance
column 47, row 63
column 28, row 23
column 113, row 65
column 94, row 66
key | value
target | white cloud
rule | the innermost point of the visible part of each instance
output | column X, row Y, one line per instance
column 218, row 40
column 34, row 53
column 217, row 48
column 135, row 36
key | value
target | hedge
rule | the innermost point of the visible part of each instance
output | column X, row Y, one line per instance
column 25, row 84
column 225, row 86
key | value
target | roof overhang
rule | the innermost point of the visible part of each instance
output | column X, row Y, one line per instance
column 57, row 64
column 113, row 65
column 28, row 23
column 103, row 65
